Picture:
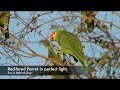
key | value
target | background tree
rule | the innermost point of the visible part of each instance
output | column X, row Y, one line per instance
column 27, row 30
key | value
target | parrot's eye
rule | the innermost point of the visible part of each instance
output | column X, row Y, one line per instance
column 53, row 33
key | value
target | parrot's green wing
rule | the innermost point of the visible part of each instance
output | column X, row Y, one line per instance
column 70, row 44
column 4, row 23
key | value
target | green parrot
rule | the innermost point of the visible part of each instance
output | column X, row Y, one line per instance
column 4, row 23
column 87, row 17
column 70, row 44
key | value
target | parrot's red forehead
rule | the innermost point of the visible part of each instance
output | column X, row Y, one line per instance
column 52, row 36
